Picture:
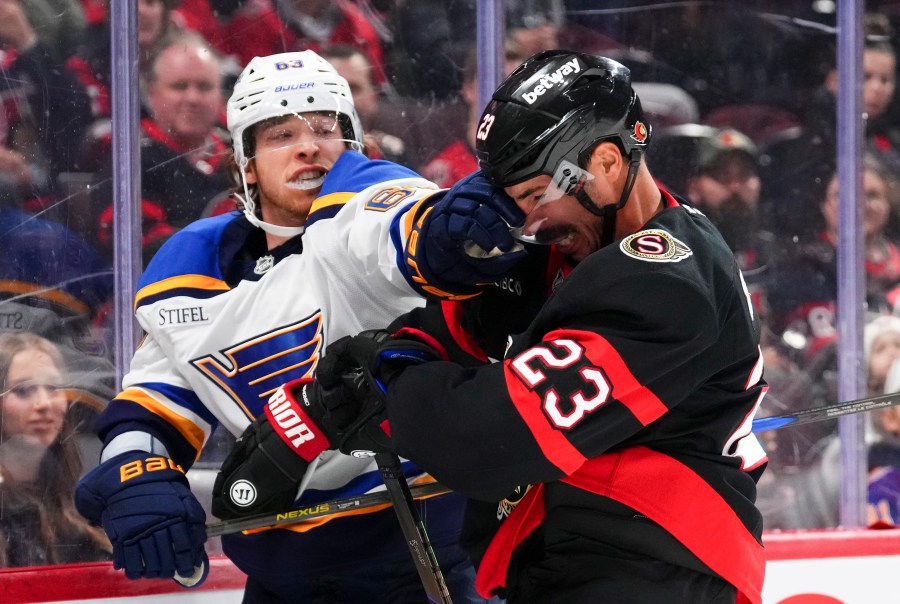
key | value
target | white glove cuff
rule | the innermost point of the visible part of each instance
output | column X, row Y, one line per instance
column 133, row 441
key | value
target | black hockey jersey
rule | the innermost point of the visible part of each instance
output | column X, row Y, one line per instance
column 627, row 403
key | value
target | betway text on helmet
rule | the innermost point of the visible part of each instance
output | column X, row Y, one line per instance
column 549, row 81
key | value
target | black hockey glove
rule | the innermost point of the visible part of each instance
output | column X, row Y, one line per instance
column 263, row 471
column 343, row 409
column 364, row 365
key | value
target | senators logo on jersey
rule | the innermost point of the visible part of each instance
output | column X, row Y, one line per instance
column 655, row 245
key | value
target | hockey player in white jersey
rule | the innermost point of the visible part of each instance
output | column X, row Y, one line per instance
column 234, row 306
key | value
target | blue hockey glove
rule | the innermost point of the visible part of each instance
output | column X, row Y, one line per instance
column 464, row 240
column 144, row 503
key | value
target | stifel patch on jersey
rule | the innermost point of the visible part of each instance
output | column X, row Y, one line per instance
column 655, row 245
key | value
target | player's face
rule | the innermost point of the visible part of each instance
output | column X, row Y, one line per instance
column 33, row 403
column 293, row 155
column 552, row 217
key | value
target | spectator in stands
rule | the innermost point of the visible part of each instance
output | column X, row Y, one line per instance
column 54, row 284
column 273, row 26
column 802, row 295
column 59, row 24
column 796, row 161
column 183, row 148
column 705, row 45
column 429, row 62
column 39, row 463
column 531, row 28
column 881, row 339
column 382, row 135
column 881, row 345
column 804, row 489
column 457, row 159
column 884, row 451
column 44, row 112
column 717, row 170
column 91, row 63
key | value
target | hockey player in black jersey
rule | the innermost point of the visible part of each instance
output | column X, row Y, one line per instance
column 235, row 305
column 609, row 456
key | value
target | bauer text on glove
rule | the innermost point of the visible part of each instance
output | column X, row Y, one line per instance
column 144, row 503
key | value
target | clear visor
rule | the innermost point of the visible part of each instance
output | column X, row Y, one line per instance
column 566, row 181
column 293, row 130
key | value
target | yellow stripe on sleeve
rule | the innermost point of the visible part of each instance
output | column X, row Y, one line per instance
column 330, row 200
column 181, row 281
column 191, row 432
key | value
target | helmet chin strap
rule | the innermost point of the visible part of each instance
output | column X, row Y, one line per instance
column 608, row 212
column 249, row 207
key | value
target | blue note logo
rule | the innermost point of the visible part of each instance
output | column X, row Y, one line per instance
column 251, row 371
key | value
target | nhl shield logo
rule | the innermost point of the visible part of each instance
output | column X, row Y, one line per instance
column 655, row 245
column 263, row 264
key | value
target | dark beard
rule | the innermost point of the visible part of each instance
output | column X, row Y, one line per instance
column 736, row 221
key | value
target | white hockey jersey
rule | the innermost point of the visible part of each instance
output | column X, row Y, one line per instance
column 224, row 331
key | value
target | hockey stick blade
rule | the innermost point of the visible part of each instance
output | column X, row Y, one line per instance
column 317, row 510
column 817, row 414
column 413, row 529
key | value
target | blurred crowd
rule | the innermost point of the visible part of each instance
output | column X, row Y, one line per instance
column 741, row 98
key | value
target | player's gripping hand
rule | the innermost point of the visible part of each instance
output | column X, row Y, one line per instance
column 464, row 240
column 362, row 367
column 343, row 409
column 144, row 503
column 264, row 470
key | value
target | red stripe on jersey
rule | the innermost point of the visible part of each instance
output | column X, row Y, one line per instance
column 675, row 497
column 527, row 516
column 642, row 403
column 554, row 445
column 452, row 311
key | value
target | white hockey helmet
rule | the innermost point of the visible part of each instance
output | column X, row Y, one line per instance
column 285, row 84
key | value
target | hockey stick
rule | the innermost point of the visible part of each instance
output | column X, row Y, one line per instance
column 776, row 422
column 326, row 508
column 413, row 529
column 817, row 414
column 317, row 510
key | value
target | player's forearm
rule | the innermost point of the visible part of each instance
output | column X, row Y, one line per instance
column 465, row 431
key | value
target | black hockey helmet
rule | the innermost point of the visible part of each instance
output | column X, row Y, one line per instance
column 558, row 105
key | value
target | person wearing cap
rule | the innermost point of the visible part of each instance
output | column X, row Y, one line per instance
column 717, row 170
column 324, row 245
column 725, row 182
column 725, row 185
column 608, row 456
